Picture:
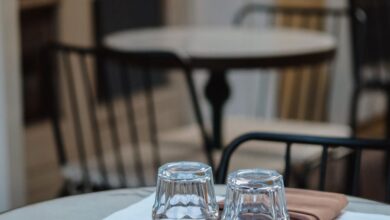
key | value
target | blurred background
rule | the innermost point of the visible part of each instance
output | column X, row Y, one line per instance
column 313, row 100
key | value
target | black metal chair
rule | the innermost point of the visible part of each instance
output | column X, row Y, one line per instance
column 288, row 141
column 104, row 135
column 370, row 26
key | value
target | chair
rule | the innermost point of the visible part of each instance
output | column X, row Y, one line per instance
column 111, row 142
column 312, row 17
column 370, row 25
column 316, row 18
column 288, row 142
column 267, row 156
column 297, row 82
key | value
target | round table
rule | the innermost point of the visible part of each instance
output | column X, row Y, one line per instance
column 100, row 205
column 219, row 49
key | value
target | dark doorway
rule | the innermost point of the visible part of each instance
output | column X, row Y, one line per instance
column 119, row 15
column 38, row 28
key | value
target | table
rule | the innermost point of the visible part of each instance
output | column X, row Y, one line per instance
column 219, row 49
column 102, row 204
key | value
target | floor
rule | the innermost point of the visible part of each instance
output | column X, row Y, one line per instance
column 372, row 186
column 44, row 179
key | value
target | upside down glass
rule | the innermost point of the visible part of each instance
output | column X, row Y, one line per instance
column 255, row 194
column 185, row 190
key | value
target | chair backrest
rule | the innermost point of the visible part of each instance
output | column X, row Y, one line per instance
column 288, row 141
column 298, row 81
column 293, row 16
column 92, row 131
column 370, row 25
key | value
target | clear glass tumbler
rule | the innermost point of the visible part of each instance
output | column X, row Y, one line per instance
column 185, row 190
column 255, row 194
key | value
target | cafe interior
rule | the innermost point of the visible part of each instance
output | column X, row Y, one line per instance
column 97, row 95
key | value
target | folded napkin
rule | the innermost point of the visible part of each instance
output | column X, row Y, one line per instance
column 314, row 205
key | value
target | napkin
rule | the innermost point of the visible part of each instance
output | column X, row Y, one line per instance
column 314, row 205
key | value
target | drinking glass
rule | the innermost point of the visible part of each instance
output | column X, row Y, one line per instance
column 185, row 190
column 255, row 194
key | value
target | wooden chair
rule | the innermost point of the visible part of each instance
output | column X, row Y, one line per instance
column 303, row 90
column 289, row 142
column 111, row 141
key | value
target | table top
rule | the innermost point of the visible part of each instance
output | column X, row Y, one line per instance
column 201, row 45
column 100, row 205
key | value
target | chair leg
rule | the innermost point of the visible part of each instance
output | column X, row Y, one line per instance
column 353, row 123
column 301, row 177
column 354, row 111
column 387, row 129
column 387, row 156
column 65, row 190
column 199, row 119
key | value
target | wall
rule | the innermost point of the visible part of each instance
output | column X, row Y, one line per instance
column 75, row 22
column 12, row 181
column 258, row 89
column 177, row 12
column 341, row 85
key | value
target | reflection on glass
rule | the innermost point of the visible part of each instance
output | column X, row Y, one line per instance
column 185, row 191
column 255, row 194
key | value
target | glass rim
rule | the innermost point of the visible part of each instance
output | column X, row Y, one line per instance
column 257, row 175
column 189, row 170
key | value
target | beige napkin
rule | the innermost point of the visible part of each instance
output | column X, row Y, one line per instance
column 314, row 205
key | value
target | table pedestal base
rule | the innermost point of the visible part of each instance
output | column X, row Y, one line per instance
column 217, row 92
